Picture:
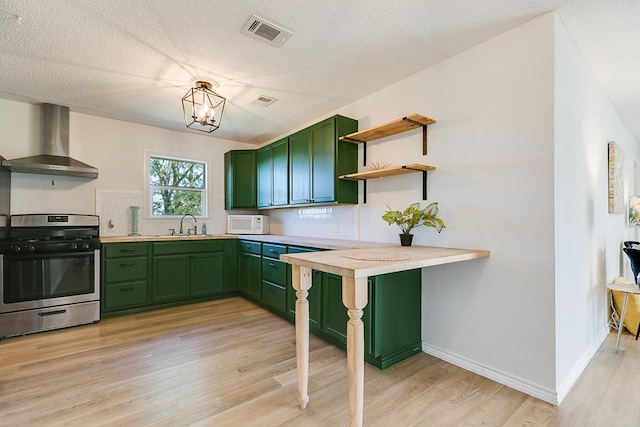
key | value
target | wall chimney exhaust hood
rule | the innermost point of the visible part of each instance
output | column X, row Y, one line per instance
column 54, row 147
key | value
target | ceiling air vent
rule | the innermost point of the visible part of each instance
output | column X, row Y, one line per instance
column 263, row 100
column 265, row 30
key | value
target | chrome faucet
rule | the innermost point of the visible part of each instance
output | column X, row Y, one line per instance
column 181, row 219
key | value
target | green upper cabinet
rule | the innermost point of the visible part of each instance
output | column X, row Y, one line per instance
column 317, row 159
column 240, row 179
column 273, row 174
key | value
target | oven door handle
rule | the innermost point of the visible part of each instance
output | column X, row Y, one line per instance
column 51, row 313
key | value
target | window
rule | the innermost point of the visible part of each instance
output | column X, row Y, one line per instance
column 177, row 186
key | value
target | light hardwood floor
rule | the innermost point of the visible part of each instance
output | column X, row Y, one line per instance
column 232, row 363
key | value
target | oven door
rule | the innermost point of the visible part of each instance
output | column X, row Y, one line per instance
column 30, row 281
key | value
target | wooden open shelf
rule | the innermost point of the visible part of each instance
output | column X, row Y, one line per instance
column 394, row 127
column 398, row 170
column 412, row 121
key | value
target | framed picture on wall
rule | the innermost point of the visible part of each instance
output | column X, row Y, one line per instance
column 616, row 178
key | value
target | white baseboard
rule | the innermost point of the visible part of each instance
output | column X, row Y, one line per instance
column 542, row 393
column 565, row 386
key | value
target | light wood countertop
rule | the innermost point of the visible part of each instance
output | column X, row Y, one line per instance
column 311, row 242
column 152, row 238
column 364, row 262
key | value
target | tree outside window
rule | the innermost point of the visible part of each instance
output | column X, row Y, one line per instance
column 178, row 187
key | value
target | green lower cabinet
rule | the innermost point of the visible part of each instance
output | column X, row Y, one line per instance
column 392, row 316
column 274, row 296
column 124, row 295
column 207, row 274
column 334, row 313
column 249, row 274
column 124, row 275
column 314, row 297
column 145, row 276
column 395, row 304
column 171, row 277
column 230, row 267
column 187, row 270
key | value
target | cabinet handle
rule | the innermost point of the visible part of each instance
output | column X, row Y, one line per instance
column 127, row 264
column 127, row 250
column 271, row 264
column 126, row 289
column 51, row 313
column 271, row 290
column 273, row 251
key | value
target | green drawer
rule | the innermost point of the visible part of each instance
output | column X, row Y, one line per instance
column 188, row 247
column 274, row 271
column 274, row 296
column 125, row 294
column 114, row 250
column 273, row 251
column 125, row 269
column 251, row 247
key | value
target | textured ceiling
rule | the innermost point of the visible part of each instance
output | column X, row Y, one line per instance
column 133, row 60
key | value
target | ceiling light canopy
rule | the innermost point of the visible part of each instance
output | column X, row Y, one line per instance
column 202, row 107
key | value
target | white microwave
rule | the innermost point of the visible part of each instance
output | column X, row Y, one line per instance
column 248, row 224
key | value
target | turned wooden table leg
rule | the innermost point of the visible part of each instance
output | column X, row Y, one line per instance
column 302, row 283
column 354, row 297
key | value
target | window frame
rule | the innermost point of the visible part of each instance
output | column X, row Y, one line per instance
column 149, row 188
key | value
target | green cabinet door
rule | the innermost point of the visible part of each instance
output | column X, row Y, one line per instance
column 273, row 174
column 171, row 277
column 240, row 179
column 396, row 314
column 249, row 277
column 317, row 159
column 323, row 172
column 280, row 151
column 264, row 160
column 334, row 313
column 230, row 265
column 315, row 293
column 207, row 274
column 300, row 167
column 124, row 273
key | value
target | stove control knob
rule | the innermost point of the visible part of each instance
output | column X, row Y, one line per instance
column 17, row 248
column 74, row 246
column 85, row 246
column 31, row 248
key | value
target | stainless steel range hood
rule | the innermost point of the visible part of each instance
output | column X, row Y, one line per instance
column 54, row 147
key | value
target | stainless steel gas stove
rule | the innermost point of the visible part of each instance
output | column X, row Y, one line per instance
column 49, row 273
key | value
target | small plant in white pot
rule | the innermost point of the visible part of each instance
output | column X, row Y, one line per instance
column 413, row 217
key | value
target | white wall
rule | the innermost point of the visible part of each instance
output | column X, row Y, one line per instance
column 532, row 315
column 117, row 149
column 588, row 239
column 493, row 149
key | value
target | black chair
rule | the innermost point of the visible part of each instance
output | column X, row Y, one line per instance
column 634, row 260
column 631, row 244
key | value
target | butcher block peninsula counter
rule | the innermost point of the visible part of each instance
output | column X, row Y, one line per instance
column 355, row 266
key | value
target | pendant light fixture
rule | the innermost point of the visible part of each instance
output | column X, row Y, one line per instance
column 202, row 107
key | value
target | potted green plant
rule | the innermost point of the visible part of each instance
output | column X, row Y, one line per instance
column 413, row 217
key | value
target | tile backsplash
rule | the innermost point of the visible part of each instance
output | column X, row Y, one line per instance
column 329, row 222
column 114, row 209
